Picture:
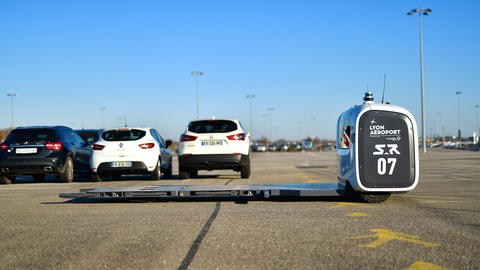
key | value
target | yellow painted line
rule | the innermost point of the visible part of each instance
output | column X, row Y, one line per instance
column 426, row 266
column 360, row 215
column 384, row 235
column 342, row 204
column 315, row 181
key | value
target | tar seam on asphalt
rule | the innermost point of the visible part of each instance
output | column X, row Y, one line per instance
column 198, row 241
column 196, row 244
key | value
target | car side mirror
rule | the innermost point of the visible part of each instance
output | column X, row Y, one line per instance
column 168, row 143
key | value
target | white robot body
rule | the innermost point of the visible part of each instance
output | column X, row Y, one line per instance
column 377, row 148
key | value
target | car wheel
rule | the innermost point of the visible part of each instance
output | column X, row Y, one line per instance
column 245, row 172
column 67, row 175
column 38, row 177
column 116, row 176
column 194, row 173
column 6, row 180
column 182, row 173
column 95, row 177
column 156, row 174
column 168, row 173
column 374, row 198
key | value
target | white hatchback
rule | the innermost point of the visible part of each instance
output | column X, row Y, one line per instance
column 130, row 150
column 214, row 144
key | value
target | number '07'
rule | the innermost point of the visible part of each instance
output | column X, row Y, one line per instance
column 382, row 165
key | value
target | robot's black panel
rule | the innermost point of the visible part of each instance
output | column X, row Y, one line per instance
column 386, row 156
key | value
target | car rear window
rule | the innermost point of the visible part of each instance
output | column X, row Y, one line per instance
column 219, row 126
column 90, row 136
column 31, row 135
column 123, row 135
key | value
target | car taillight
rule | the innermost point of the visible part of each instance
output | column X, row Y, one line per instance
column 237, row 137
column 3, row 147
column 54, row 145
column 186, row 138
column 146, row 145
column 98, row 147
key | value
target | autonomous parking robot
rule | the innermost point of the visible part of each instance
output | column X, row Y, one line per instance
column 377, row 150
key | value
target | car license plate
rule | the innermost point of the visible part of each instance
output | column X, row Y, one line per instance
column 211, row 143
column 121, row 164
column 25, row 150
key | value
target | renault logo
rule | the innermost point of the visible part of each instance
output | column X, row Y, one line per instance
column 121, row 145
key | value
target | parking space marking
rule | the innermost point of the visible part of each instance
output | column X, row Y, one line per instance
column 342, row 204
column 385, row 235
column 426, row 266
column 360, row 215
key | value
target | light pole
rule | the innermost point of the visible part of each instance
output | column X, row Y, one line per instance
column 459, row 119
column 103, row 116
column 266, row 129
column 313, row 119
column 478, row 130
column 437, row 124
column 12, row 95
column 251, row 117
column 424, row 11
column 271, row 133
column 198, row 106
column 299, row 131
column 120, row 118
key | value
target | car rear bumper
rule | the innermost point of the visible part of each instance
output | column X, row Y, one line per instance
column 213, row 162
column 137, row 167
column 31, row 166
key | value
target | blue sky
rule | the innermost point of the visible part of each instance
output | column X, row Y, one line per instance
column 305, row 59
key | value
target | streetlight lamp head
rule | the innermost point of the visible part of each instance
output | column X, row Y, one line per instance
column 410, row 13
column 426, row 13
column 458, row 93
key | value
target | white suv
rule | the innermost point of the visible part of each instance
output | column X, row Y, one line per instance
column 214, row 144
column 130, row 150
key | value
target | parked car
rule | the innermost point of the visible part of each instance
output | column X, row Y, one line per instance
column 214, row 144
column 282, row 147
column 307, row 145
column 89, row 135
column 43, row 150
column 272, row 147
column 131, row 150
column 261, row 148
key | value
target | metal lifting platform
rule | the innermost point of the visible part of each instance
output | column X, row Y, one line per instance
column 262, row 191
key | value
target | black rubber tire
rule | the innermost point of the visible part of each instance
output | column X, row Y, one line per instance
column 245, row 171
column 169, row 172
column 67, row 175
column 182, row 173
column 94, row 177
column 38, row 177
column 5, row 180
column 194, row 173
column 156, row 174
column 375, row 197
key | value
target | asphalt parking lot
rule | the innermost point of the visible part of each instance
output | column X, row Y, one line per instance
column 435, row 226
